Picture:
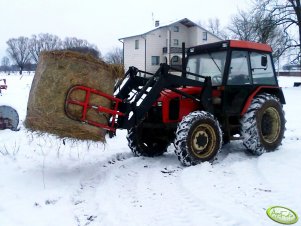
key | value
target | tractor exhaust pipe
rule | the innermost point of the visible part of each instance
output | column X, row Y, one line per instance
column 183, row 60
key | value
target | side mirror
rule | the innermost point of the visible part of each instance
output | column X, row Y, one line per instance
column 264, row 61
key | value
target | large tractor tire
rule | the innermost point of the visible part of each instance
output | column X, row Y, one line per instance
column 147, row 142
column 263, row 125
column 198, row 138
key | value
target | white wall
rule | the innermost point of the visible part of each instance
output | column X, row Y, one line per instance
column 132, row 56
column 155, row 42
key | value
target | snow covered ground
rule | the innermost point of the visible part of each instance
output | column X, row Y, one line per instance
column 44, row 182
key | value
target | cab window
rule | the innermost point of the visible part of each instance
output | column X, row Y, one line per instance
column 208, row 64
column 239, row 73
column 261, row 68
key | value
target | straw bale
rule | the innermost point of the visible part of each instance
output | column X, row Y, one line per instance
column 56, row 72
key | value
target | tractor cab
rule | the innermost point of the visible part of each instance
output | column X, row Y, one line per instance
column 233, row 62
column 238, row 71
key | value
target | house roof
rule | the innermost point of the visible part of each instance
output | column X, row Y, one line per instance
column 186, row 22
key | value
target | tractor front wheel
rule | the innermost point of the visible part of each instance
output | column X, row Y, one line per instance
column 198, row 138
column 147, row 142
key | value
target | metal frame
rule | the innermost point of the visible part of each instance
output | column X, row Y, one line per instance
column 151, row 88
column 86, row 106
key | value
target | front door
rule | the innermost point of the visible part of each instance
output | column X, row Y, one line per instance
column 239, row 83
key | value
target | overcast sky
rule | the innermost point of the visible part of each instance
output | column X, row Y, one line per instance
column 103, row 22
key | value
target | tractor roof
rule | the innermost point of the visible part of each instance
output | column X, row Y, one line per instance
column 236, row 44
column 250, row 45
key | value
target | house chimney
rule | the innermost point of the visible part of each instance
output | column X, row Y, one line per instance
column 157, row 23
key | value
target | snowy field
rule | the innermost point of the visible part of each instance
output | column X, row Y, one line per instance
column 44, row 182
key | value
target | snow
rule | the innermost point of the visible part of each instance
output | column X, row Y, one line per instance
column 44, row 182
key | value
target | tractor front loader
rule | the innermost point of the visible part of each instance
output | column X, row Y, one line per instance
column 227, row 91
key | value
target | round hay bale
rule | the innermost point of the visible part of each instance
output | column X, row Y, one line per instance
column 56, row 72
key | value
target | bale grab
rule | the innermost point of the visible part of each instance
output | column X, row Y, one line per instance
column 56, row 72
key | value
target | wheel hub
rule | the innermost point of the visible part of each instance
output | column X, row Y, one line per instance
column 200, row 141
column 270, row 125
column 203, row 140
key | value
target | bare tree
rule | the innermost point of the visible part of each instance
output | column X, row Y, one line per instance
column 268, row 31
column 18, row 50
column 75, row 42
column 287, row 13
column 81, row 45
column 115, row 56
column 50, row 42
column 71, row 42
column 5, row 64
column 214, row 27
column 260, row 25
column 43, row 42
column 242, row 26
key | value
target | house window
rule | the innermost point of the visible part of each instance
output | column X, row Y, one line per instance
column 176, row 28
column 155, row 60
column 175, row 42
column 136, row 44
column 175, row 59
column 205, row 36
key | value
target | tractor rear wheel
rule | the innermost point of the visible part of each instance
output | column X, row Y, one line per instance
column 263, row 125
column 147, row 142
column 198, row 138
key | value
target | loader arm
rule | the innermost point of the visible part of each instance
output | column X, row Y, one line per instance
column 135, row 96
column 148, row 90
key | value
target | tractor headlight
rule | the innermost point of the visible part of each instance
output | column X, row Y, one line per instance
column 159, row 103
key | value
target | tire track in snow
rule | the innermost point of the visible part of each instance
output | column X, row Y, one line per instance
column 239, row 183
column 182, row 206
column 145, row 191
column 85, row 208
column 286, row 174
column 220, row 190
column 153, row 191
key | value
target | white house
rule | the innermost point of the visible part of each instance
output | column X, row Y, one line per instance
column 163, row 44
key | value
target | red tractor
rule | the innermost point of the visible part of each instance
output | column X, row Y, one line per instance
column 226, row 91
column 2, row 85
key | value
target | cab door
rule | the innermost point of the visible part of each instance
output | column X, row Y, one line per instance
column 238, row 84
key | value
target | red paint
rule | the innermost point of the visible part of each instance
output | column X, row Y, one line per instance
column 187, row 105
column 251, row 97
column 250, row 45
column 3, row 86
column 86, row 105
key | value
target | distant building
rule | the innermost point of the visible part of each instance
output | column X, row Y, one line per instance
column 292, row 67
column 290, row 73
column 163, row 44
column 290, row 70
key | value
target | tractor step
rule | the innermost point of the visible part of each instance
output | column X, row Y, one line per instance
column 236, row 138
